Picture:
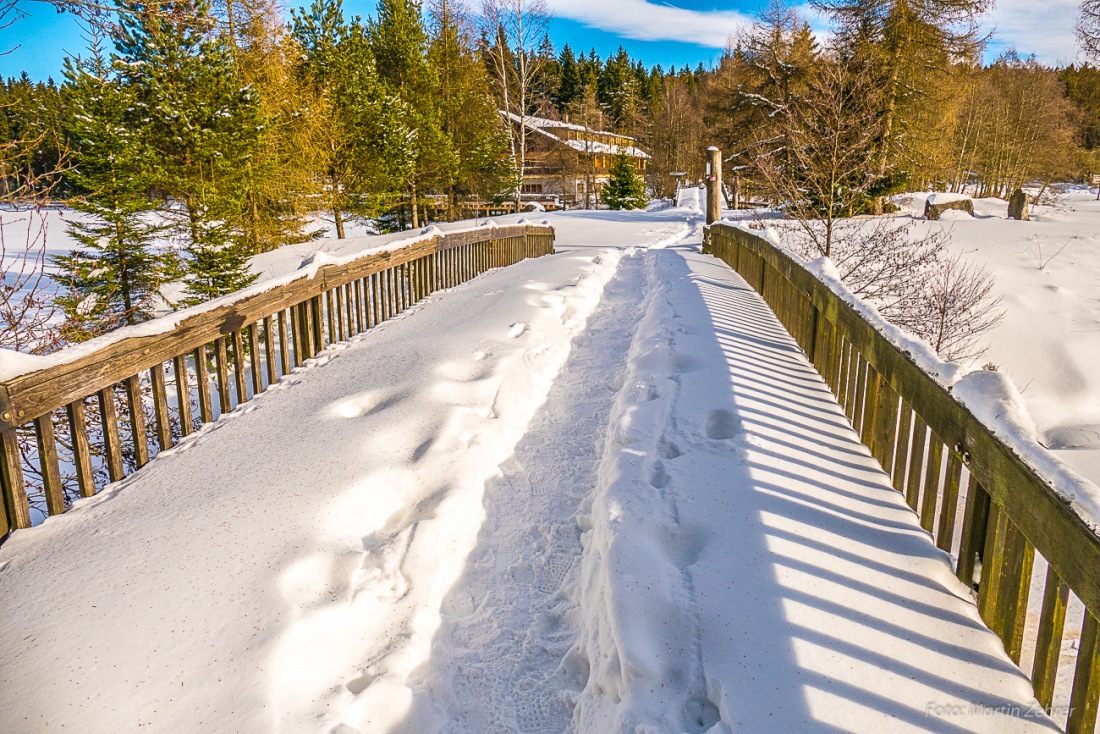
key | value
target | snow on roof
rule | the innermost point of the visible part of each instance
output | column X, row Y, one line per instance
column 540, row 125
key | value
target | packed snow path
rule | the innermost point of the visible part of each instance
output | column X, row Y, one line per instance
column 598, row 492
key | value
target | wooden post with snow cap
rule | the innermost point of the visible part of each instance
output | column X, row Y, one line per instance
column 714, row 184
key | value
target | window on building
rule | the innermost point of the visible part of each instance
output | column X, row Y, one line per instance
column 532, row 188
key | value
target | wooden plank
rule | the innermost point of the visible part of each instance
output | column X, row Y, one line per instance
column 404, row 285
column 975, row 524
column 315, row 326
column 160, row 407
column 112, row 445
column 284, row 345
column 47, row 461
column 916, row 462
column 949, row 502
column 384, row 296
column 82, row 450
column 202, row 385
column 376, row 299
column 137, row 421
column 1048, row 643
column 871, row 409
column 269, row 350
column 842, row 370
column 183, row 394
column 256, row 370
column 345, row 300
column 239, row 368
column 401, row 272
column 1015, row 589
column 886, row 429
column 5, row 523
column 361, row 304
column 298, row 352
column 1086, row 681
column 931, row 484
column 903, row 442
column 389, row 294
column 989, row 589
column 816, row 344
column 221, row 366
column 860, row 394
column 836, row 347
column 330, row 313
column 17, row 508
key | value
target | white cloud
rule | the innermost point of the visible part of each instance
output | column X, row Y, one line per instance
column 1040, row 27
column 646, row 21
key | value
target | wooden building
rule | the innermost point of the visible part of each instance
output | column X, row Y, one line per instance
column 569, row 164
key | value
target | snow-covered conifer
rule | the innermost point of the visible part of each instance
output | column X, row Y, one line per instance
column 625, row 189
column 200, row 127
column 115, row 276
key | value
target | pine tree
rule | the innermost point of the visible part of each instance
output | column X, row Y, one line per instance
column 400, row 45
column 115, row 277
column 625, row 189
column 468, row 113
column 279, row 183
column 569, row 84
column 362, row 139
column 912, row 47
column 200, row 128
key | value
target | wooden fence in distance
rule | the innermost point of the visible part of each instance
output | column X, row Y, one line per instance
column 926, row 441
column 240, row 348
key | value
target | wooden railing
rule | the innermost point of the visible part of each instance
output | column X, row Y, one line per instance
column 55, row 447
column 928, row 442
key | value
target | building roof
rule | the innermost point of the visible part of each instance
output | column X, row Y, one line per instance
column 543, row 126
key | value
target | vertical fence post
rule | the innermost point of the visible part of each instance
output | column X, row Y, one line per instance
column 18, row 514
column 714, row 185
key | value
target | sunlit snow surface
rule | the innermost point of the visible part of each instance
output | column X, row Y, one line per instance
column 601, row 491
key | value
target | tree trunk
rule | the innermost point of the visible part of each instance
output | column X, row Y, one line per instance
column 339, row 217
column 413, row 207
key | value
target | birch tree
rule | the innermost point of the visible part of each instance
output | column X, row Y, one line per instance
column 517, row 28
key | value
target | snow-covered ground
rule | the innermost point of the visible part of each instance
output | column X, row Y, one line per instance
column 601, row 491
column 1047, row 271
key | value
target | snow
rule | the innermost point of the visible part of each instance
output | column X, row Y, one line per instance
column 946, row 198
column 540, row 125
column 13, row 363
column 1043, row 344
column 1047, row 272
column 599, row 491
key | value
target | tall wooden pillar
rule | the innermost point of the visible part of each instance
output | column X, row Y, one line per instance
column 714, row 185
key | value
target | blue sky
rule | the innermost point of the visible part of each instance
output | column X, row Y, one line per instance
column 656, row 32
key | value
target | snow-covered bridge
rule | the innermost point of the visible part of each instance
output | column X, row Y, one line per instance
column 601, row 491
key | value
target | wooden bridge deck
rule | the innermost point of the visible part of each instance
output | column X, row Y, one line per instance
column 812, row 599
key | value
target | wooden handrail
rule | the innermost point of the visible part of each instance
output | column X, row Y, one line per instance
column 914, row 426
column 242, row 344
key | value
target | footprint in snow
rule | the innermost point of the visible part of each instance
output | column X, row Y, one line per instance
column 517, row 330
column 722, row 425
column 669, row 450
